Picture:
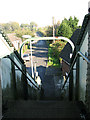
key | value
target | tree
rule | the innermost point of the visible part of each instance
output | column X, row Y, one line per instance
column 5, row 27
column 14, row 26
column 73, row 23
column 20, row 33
column 33, row 26
column 10, row 27
column 64, row 30
column 25, row 26
column 49, row 31
column 67, row 27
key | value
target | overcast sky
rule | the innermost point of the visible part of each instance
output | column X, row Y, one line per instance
column 42, row 11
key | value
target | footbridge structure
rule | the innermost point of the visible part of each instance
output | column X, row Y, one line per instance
column 21, row 96
column 35, row 39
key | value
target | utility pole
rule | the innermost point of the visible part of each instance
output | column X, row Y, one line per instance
column 53, row 28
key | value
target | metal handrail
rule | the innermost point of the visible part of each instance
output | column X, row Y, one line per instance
column 7, row 40
column 84, row 57
column 22, row 71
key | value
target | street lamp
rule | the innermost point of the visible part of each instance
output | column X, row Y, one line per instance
column 31, row 59
column 28, row 36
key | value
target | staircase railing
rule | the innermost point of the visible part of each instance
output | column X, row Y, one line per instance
column 11, row 45
column 36, row 86
column 84, row 57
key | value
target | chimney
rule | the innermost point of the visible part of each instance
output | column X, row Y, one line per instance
column 89, row 7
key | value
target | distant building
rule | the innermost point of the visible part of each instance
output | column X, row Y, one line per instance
column 66, row 53
column 16, row 41
column 80, row 77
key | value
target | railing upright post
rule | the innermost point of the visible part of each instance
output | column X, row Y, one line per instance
column 77, row 80
column 24, row 83
column 13, row 79
column 71, row 86
column 31, row 59
column 0, row 92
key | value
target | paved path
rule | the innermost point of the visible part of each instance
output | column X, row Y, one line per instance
column 52, row 83
column 50, row 76
column 40, row 56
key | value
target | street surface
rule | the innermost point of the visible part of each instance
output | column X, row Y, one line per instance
column 39, row 55
column 51, row 77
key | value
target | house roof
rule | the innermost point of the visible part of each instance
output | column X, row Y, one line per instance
column 6, row 38
column 83, row 28
column 12, row 37
column 11, row 45
column 65, row 53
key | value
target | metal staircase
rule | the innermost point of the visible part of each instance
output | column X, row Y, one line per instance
column 43, row 109
column 46, row 108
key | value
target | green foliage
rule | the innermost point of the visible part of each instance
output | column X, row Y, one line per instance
column 10, row 27
column 64, row 30
column 22, row 32
column 53, row 53
column 42, row 30
column 25, row 26
column 73, row 23
column 33, row 26
column 67, row 27
column 49, row 31
column 23, row 29
column 14, row 26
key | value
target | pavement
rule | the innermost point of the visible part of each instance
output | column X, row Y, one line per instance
column 40, row 57
column 50, row 76
column 52, row 83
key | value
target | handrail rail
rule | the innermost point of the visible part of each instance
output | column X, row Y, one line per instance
column 84, row 57
column 22, row 71
column 11, row 45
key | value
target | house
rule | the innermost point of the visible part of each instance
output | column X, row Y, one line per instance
column 67, row 52
column 79, row 81
column 79, row 72
column 16, row 41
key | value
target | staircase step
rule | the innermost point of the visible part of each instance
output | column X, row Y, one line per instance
column 43, row 109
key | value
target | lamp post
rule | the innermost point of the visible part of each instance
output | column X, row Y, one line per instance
column 53, row 28
column 28, row 36
column 31, row 59
column 35, row 70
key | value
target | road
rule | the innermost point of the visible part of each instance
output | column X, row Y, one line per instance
column 40, row 56
column 50, row 77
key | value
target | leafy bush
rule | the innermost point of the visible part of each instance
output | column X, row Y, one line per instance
column 21, row 32
column 54, row 50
